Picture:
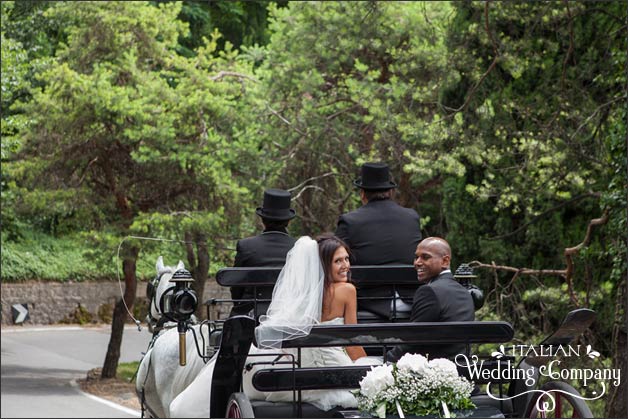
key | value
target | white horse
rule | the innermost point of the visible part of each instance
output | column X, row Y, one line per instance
column 160, row 378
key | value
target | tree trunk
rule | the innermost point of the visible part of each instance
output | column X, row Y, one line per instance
column 120, row 314
column 199, row 267
column 617, row 406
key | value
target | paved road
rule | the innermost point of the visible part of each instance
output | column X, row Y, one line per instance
column 40, row 364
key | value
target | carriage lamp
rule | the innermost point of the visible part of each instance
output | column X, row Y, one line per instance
column 179, row 302
column 180, row 306
column 464, row 275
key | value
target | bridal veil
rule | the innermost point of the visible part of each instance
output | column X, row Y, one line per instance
column 297, row 297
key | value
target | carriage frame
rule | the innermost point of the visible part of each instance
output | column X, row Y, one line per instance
column 231, row 339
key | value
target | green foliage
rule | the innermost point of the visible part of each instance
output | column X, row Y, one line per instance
column 528, row 169
column 241, row 23
column 42, row 257
column 80, row 315
column 104, row 252
column 124, row 126
column 80, row 257
column 127, row 370
column 173, row 226
column 504, row 125
column 615, row 197
column 26, row 23
column 345, row 82
column 105, row 313
column 543, row 118
column 15, row 69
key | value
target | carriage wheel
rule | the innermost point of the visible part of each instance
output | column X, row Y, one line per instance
column 567, row 402
column 239, row 406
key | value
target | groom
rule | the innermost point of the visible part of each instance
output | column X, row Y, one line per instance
column 266, row 249
column 440, row 299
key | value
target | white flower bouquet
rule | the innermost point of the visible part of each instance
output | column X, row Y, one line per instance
column 414, row 386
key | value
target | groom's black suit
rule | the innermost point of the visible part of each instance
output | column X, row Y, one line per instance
column 443, row 299
column 381, row 232
column 267, row 249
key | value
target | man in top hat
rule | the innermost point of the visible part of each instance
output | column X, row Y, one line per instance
column 266, row 249
column 380, row 232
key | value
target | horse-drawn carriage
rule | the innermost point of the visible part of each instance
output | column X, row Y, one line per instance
column 497, row 394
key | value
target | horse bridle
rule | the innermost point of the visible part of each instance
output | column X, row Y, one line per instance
column 151, row 286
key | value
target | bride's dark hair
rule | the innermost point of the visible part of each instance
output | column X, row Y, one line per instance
column 327, row 246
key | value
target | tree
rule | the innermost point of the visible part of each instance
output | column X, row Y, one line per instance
column 504, row 124
column 540, row 92
column 14, row 69
column 615, row 198
column 494, row 116
column 347, row 82
column 138, row 132
column 239, row 22
column 24, row 47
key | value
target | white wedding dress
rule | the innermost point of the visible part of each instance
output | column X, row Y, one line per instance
column 334, row 356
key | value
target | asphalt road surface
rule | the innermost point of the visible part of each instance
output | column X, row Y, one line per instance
column 40, row 366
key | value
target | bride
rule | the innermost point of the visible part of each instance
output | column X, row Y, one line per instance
column 312, row 288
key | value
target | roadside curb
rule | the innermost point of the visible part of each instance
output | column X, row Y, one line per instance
column 109, row 403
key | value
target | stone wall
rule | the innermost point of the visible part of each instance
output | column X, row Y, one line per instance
column 93, row 302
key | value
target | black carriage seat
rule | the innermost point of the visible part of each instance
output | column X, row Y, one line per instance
column 388, row 283
column 236, row 339
column 387, row 335
column 262, row 280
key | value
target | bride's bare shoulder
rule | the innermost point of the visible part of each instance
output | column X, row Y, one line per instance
column 345, row 288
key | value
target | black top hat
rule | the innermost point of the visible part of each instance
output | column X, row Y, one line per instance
column 276, row 205
column 375, row 177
